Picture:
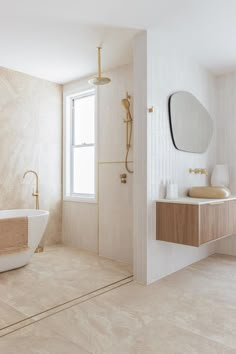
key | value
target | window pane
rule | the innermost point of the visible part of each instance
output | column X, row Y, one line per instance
column 84, row 120
column 83, row 178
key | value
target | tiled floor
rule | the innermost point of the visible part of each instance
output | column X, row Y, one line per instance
column 54, row 277
column 191, row 311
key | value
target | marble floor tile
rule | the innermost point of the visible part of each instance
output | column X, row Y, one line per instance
column 81, row 299
column 218, row 266
column 204, row 284
column 191, row 311
column 38, row 339
column 56, row 276
column 78, row 258
column 95, row 325
column 206, row 305
column 184, row 300
column 162, row 337
column 9, row 315
column 15, row 326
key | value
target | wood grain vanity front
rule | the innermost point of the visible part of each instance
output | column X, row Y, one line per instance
column 195, row 224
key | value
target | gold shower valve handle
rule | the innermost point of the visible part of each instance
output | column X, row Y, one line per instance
column 123, row 178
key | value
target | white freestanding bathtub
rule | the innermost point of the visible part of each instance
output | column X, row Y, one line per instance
column 37, row 222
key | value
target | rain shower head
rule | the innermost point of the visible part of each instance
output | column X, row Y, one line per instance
column 99, row 80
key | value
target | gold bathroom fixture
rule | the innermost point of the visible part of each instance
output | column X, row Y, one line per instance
column 39, row 249
column 99, row 80
column 36, row 193
column 129, row 125
column 123, row 178
column 201, row 171
column 151, row 109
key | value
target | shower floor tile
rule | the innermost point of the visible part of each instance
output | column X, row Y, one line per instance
column 58, row 275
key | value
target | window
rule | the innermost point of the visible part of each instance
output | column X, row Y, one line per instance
column 80, row 141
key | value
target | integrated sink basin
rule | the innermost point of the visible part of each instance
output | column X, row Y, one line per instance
column 209, row 192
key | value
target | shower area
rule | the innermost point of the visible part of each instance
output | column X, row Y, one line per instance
column 104, row 226
column 88, row 243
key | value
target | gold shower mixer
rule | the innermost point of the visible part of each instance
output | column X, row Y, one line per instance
column 123, row 178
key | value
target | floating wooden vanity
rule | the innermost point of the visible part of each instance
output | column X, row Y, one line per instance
column 193, row 221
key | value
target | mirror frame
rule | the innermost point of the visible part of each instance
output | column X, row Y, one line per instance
column 171, row 127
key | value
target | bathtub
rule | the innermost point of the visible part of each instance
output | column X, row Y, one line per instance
column 37, row 222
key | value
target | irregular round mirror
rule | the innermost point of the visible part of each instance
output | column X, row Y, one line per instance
column 191, row 124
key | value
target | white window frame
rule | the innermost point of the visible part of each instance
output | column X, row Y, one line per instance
column 68, row 98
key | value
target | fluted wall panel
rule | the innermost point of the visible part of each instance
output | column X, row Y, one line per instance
column 170, row 70
column 226, row 141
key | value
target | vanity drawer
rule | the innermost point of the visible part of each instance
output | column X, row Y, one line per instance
column 178, row 223
column 195, row 224
column 216, row 221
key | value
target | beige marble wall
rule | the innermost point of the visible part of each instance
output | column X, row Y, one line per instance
column 115, row 199
column 80, row 225
column 30, row 138
column 115, row 213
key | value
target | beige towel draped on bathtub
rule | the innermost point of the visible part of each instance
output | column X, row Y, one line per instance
column 13, row 235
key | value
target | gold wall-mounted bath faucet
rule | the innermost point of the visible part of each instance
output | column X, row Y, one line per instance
column 36, row 193
column 201, row 171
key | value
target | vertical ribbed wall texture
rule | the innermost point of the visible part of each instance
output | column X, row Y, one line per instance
column 169, row 70
column 140, row 159
column 226, row 140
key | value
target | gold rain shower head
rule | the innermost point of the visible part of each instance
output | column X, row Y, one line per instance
column 99, row 80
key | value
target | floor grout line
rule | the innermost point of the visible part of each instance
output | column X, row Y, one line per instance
column 100, row 291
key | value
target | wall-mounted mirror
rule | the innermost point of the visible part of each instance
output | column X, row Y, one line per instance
column 191, row 124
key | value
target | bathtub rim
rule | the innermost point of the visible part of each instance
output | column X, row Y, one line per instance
column 30, row 213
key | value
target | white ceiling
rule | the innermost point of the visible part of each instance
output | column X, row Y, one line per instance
column 57, row 39
column 61, row 52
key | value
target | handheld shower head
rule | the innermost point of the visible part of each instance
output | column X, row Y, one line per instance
column 125, row 103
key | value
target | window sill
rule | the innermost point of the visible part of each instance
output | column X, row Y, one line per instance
column 80, row 200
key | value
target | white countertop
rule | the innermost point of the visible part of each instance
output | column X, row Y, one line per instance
column 197, row 201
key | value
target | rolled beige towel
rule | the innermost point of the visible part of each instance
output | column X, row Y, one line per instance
column 13, row 235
